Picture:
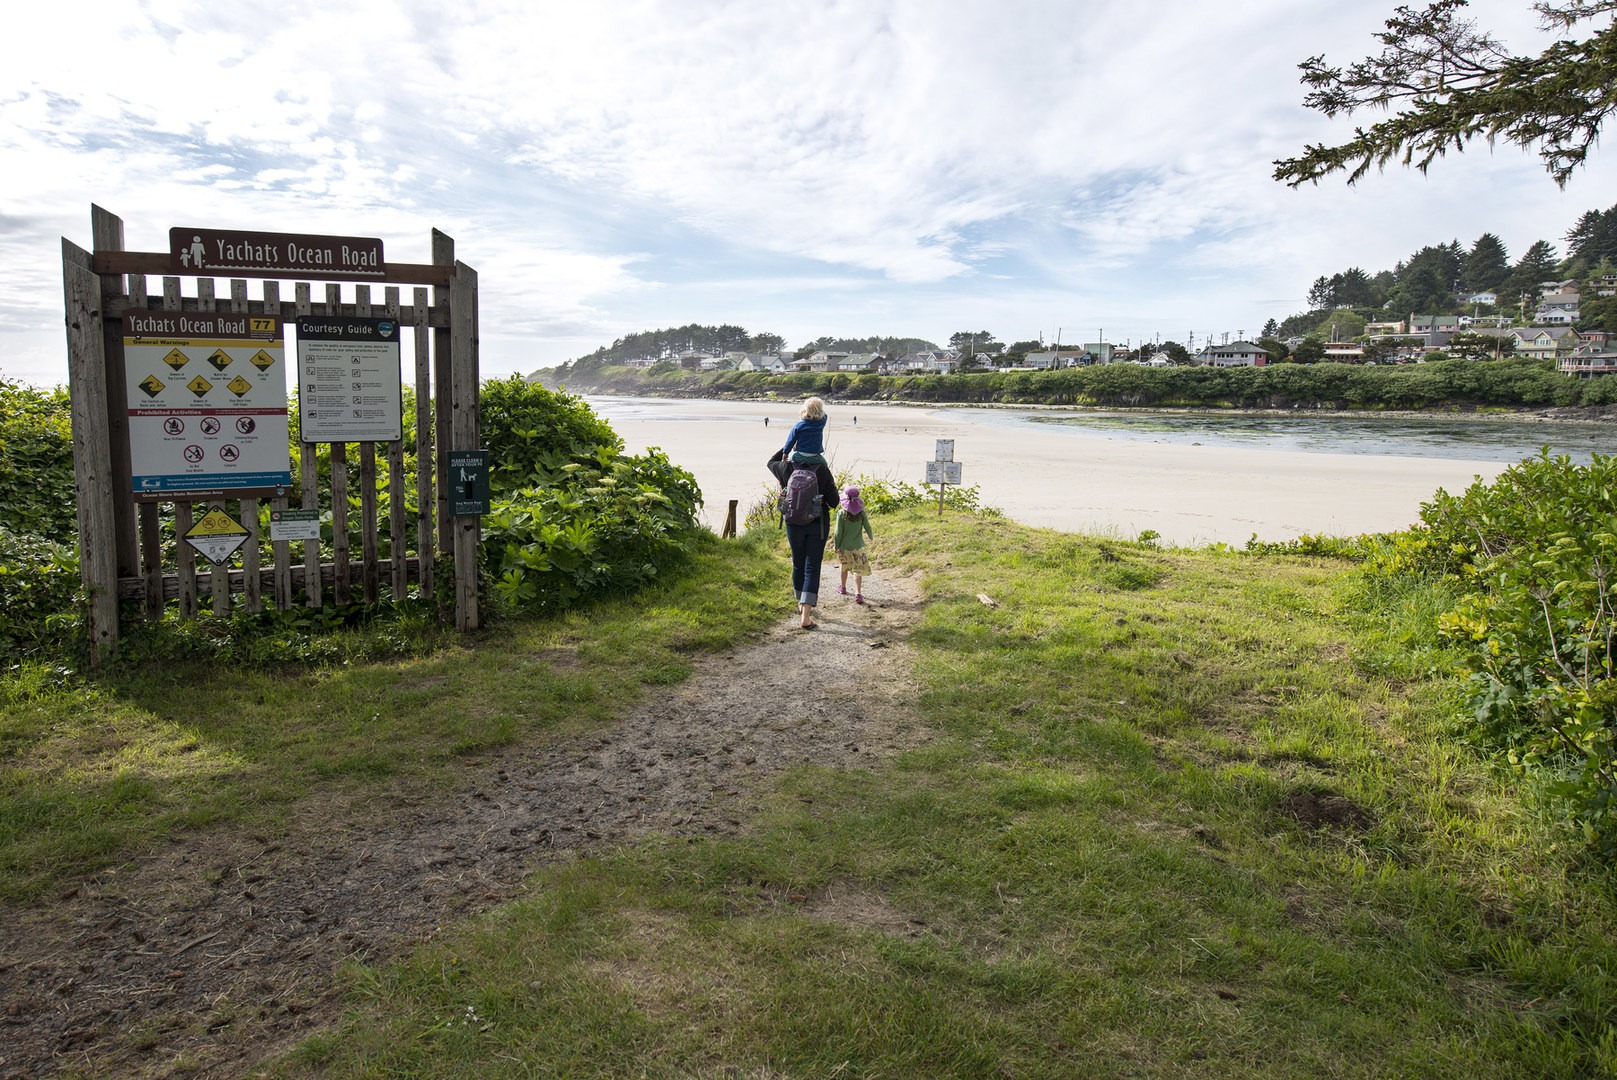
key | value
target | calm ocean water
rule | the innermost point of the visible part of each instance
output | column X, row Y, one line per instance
column 1468, row 438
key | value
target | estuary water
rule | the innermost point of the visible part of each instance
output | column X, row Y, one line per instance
column 1194, row 478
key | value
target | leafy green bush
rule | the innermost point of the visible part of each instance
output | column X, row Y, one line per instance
column 36, row 462
column 39, row 588
column 532, row 433
column 1536, row 550
column 598, row 530
column 572, row 516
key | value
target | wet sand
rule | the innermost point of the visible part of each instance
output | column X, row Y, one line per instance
column 1061, row 478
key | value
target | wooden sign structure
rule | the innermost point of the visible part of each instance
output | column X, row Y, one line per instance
column 943, row 469
column 219, row 444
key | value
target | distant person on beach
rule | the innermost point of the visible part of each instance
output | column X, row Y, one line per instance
column 806, row 537
column 807, row 435
column 853, row 526
column 766, row 421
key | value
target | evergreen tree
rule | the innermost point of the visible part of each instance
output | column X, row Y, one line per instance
column 1487, row 266
column 1594, row 238
column 1271, row 329
column 1538, row 264
column 1445, row 82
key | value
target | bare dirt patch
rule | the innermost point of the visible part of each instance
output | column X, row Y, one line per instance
column 1326, row 810
column 222, row 948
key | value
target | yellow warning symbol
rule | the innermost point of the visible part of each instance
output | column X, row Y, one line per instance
column 152, row 385
column 199, row 386
column 239, row 386
column 176, row 359
column 220, row 359
column 261, row 359
column 217, row 536
column 216, row 523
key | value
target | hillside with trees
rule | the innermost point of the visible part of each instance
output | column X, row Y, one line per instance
column 1439, row 279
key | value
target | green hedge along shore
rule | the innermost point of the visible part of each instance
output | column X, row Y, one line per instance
column 1435, row 385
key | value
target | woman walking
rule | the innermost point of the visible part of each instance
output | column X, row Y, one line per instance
column 808, row 495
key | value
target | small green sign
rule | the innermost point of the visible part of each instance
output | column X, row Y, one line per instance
column 294, row 525
column 468, row 482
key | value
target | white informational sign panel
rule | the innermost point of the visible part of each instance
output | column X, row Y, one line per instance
column 945, row 450
column 943, row 472
column 349, row 388
column 207, row 404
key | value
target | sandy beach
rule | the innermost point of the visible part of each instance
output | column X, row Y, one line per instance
column 1058, row 478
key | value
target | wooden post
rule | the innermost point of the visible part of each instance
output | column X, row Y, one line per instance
column 92, row 450
column 252, row 586
column 309, row 476
column 340, row 594
column 463, row 433
column 369, row 552
column 185, row 558
column 426, row 502
column 941, row 486
column 443, row 254
column 219, row 576
column 107, row 234
column 729, row 521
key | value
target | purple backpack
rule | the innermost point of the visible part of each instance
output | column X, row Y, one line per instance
column 800, row 498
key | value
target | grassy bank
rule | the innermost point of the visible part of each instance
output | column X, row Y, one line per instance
column 1184, row 813
column 94, row 772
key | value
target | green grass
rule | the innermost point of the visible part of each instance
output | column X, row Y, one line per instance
column 1174, row 823
column 1184, row 813
column 91, row 772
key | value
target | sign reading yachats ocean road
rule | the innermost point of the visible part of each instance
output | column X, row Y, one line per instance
column 261, row 254
column 207, row 405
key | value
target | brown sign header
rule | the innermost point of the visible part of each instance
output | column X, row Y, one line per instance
column 218, row 252
column 200, row 324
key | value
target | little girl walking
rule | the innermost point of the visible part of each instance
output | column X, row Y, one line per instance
column 853, row 525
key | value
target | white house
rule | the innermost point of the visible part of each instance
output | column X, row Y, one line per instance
column 772, row 364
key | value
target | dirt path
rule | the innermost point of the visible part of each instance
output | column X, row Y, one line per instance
column 220, row 950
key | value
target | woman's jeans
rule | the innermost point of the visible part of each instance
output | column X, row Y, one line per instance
column 808, row 550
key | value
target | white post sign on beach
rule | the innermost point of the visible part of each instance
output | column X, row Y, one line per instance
column 943, row 469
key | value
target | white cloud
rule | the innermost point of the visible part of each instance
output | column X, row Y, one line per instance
column 628, row 163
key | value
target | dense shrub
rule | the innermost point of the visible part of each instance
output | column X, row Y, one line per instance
column 602, row 529
column 531, row 433
column 36, row 463
column 1536, row 551
column 1449, row 383
column 572, row 516
column 39, row 586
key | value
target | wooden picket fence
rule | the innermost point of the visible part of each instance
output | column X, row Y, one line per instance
column 130, row 550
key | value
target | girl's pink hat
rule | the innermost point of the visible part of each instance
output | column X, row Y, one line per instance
column 852, row 503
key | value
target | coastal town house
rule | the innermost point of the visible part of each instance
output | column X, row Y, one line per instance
column 1234, row 354
column 1593, row 356
column 1557, row 309
column 1434, row 324
column 769, row 363
column 1545, row 342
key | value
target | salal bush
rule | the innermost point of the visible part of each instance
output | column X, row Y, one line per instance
column 572, row 516
column 1537, row 552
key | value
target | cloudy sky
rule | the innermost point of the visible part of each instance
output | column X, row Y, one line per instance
column 806, row 167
